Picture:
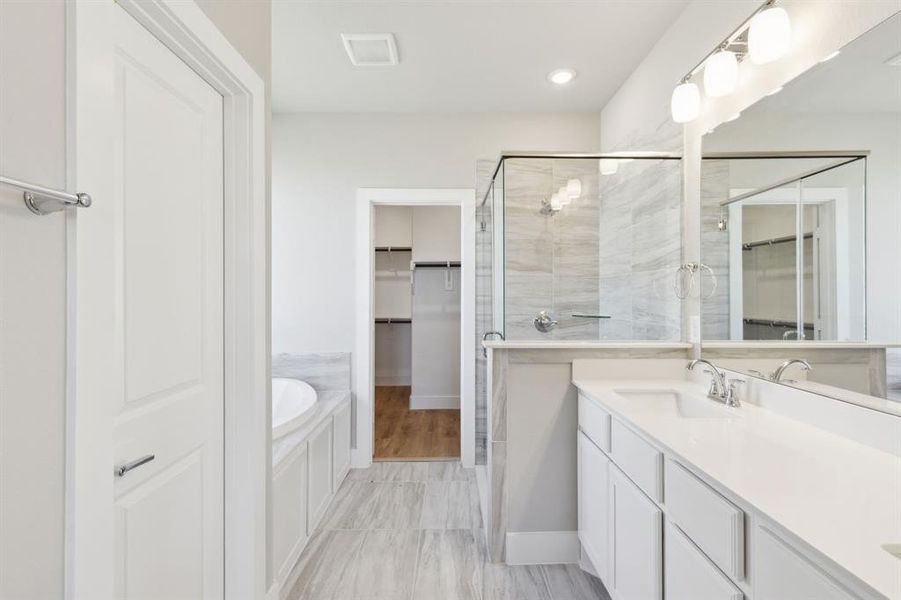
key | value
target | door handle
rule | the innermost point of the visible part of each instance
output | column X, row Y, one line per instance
column 121, row 470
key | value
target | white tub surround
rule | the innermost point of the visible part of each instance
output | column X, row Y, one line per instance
column 311, row 446
column 308, row 466
column 809, row 512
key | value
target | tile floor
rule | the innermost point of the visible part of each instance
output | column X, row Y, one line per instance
column 408, row 530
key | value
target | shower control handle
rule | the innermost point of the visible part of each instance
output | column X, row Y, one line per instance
column 543, row 322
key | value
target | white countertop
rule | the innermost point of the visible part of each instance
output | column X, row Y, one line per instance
column 794, row 345
column 580, row 345
column 835, row 494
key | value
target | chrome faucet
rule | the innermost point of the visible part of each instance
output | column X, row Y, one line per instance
column 719, row 390
column 485, row 337
column 777, row 376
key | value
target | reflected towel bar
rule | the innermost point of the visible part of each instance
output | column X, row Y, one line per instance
column 43, row 200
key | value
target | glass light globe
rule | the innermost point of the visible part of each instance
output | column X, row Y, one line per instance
column 608, row 166
column 769, row 35
column 721, row 74
column 685, row 103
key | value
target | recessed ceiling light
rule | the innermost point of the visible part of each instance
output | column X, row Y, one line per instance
column 831, row 56
column 776, row 91
column 561, row 76
column 732, row 118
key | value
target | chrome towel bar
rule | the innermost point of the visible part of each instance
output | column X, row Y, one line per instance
column 43, row 200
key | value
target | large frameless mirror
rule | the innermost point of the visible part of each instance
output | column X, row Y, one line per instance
column 801, row 227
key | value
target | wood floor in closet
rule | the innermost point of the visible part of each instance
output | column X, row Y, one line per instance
column 404, row 434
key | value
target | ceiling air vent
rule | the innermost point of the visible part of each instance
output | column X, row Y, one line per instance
column 370, row 49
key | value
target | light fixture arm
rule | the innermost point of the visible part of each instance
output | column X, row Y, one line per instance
column 730, row 40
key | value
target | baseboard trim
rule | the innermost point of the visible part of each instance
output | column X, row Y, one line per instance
column 543, row 547
column 434, row 402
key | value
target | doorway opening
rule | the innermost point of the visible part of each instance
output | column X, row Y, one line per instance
column 417, row 320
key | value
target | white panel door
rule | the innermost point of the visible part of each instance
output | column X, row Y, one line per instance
column 168, row 322
column 637, row 542
column 594, row 505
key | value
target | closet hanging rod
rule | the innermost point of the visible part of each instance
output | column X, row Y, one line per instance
column 393, row 249
column 778, row 240
column 448, row 264
column 43, row 200
column 775, row 323
column 392, row 320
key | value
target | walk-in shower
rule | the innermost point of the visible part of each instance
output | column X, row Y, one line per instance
column 583, row 247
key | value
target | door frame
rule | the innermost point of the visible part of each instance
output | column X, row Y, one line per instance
column 364, row 355
column 192, row 37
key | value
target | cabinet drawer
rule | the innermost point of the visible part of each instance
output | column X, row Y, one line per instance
column 689, row 575
column 713, row 523
column 594, row 421
column 642, row 462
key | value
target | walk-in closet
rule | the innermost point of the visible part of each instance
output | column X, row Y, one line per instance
column 417, row 332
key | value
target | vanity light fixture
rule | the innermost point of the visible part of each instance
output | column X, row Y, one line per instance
column 769, row 35
column 765, row 36
column 561, row 76
column 721, row 74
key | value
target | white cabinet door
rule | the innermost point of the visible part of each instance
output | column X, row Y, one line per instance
column 782, row 573
column 637, row 542
column 594, row 505
column 689, row 573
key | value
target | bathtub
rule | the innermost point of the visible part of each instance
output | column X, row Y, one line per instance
column 293, row 404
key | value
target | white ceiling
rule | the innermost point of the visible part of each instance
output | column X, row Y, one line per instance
column 462, row 55
column 855, row 81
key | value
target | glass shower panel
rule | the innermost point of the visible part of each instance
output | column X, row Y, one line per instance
column 834, row 252
column 591, row 247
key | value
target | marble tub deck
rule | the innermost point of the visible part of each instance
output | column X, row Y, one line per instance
column 403, row 531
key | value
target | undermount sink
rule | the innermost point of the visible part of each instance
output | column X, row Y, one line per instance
column 671, row 403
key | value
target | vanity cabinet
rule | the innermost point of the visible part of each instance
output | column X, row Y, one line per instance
column 637, row 542
column 781, row 572
column 594, row 503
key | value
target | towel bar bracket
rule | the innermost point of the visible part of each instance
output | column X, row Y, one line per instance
column 45, row 205
column 43, row 200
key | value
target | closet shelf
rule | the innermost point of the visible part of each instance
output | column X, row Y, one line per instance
column 393, row 249
column 775, row 323
column 436, row 264
column 399, row 274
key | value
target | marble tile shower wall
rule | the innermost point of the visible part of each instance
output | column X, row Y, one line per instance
column 326, row 371
column 640, row 250
column 484, row 302
column 551, row 260
column 714, row 250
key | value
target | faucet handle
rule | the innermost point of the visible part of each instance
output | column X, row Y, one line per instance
column 714, row 385
column 732, row 393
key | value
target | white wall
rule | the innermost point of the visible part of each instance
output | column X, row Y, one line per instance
column 32, row 303
column 319, row 161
